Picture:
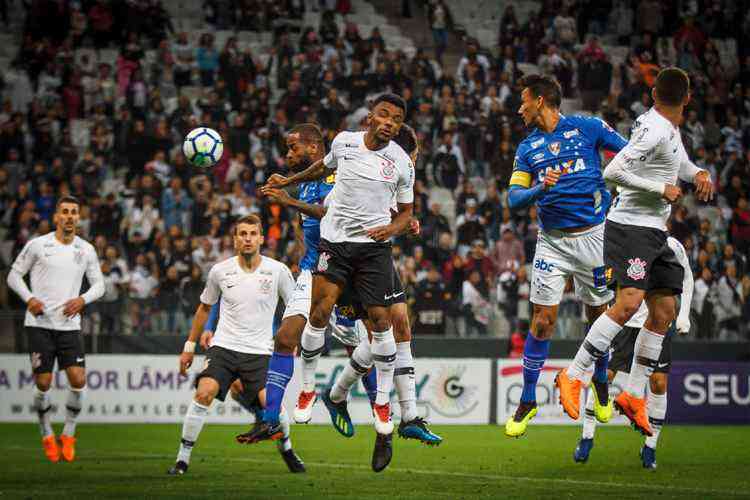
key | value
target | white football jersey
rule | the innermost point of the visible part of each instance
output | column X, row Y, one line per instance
column 368, row 183
column 248, row 303
column 639, row 318
column 57, row 272
column 654, row 152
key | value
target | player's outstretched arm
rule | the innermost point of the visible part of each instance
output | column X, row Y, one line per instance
column 188, row 350
column 316, row 171
column 280, row 196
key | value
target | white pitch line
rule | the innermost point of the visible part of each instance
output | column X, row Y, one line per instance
column 468, row 475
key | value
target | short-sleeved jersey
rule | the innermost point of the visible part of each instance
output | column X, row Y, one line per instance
column 655, row 152
column 580, row 197
column 57, row 272
column 313, row 193
column 367, row 185
column 248, row 303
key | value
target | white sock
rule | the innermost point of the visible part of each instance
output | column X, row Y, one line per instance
column 73, row 406
column 285, row 443
column 42, row 406
column 403, row 378
column 313, row 342
column 589, row 418
column 645, row 357
column 359, row 364
column 621, row 378
column 595, row 345
column 657, row 410
column 191, row 428
column 384, row 356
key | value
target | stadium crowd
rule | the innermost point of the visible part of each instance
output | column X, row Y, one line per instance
column 110, row 134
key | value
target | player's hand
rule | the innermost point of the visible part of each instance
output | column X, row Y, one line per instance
column 683, row 326
column 381, row 233
column 276, row 195
column 551, row 176
column 414, row 228
column 704, row 188
column 206, row 338
column 276, row 180
column 35, row 306
column 186, row 361
column 73, row 307
column 671, row 193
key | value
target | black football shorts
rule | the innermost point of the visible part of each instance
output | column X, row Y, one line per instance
column 225, row 366
column 46, row 346
column 366, row 267
column 639, row 257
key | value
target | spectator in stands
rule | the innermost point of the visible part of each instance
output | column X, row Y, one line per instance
column 449, row 162
column 441, row 21
column 728, row 305
column 476, row 305
column 508, row 254
column 469, row 228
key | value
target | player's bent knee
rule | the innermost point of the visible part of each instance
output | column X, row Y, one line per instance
column 207, row 390
column 380, row 318
column 658, row 383
column 320, row 311
column 285, row 341
column 204, row 397
column 43, row 381
column 543, row 325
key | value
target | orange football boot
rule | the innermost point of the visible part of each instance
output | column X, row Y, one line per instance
column 68, row 447
column 51, row 449
column 570, row 394
column 635, row 409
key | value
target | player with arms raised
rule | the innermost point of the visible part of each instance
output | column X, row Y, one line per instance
column 249, row 287
column 57, row 262
column 642, row 264
column 562, row 156
column 371, row 171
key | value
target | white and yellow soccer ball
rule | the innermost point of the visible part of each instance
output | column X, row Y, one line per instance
column 203, row 147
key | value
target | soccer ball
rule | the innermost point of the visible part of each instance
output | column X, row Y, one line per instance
column 203, row 147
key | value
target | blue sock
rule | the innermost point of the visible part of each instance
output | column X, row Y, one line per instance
column 600, row 369
column 535, row 353
column 280, row 371
column 371, row 385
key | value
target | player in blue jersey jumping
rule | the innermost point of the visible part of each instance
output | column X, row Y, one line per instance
column 558, row 167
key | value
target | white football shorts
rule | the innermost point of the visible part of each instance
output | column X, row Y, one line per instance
column 560, row 255
column 301, row 297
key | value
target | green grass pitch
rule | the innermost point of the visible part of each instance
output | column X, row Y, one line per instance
column 130, row 461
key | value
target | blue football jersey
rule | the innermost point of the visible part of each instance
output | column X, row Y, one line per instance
column 314, row 193
column 580, row 197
